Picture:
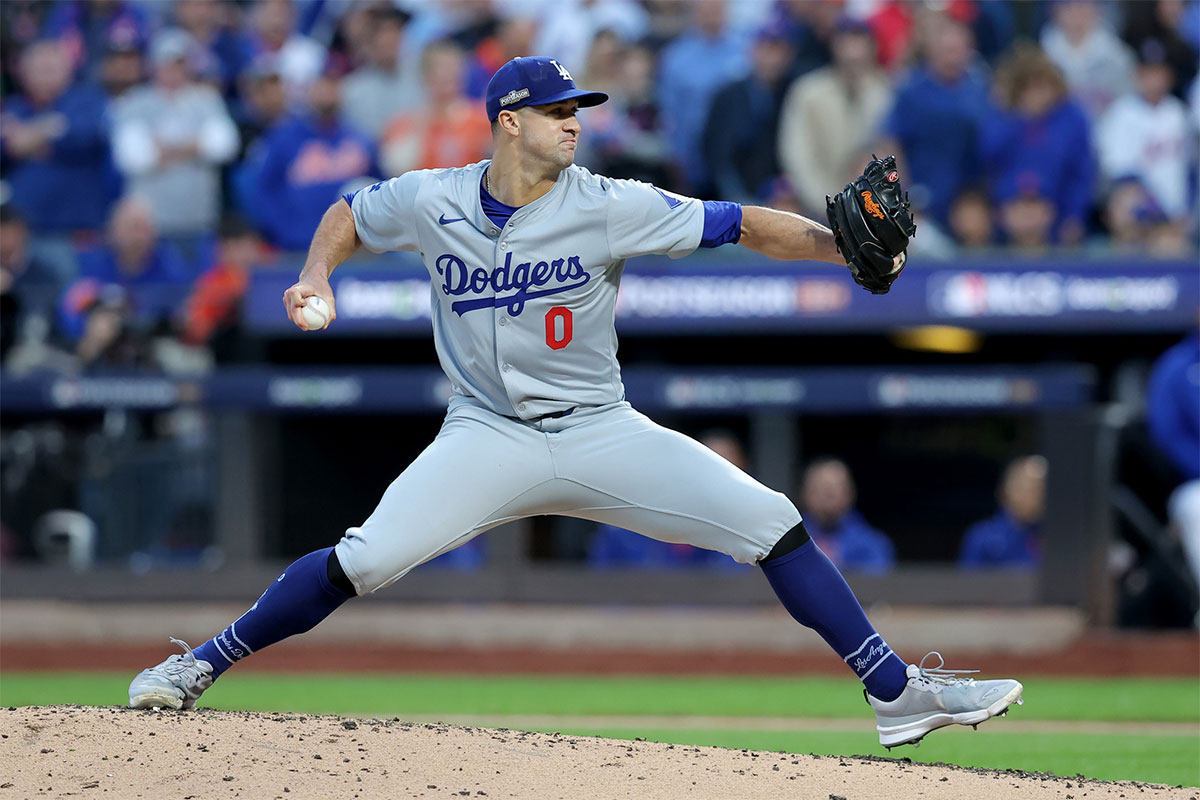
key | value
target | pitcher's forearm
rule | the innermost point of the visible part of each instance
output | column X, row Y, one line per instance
column 333, row 243
column 787, row 236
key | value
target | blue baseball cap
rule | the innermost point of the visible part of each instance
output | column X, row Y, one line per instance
column 534, row 81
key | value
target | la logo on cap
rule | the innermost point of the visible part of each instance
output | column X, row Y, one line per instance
column 562, row 71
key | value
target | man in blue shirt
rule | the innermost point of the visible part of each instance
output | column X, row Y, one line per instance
column 827, row 497
column 743, row 124
column 937, row 118
column 301, row 166
column 691, row 71
column 1173, row 415
column 136, row 270
column 1173, row 406
column 54, row 153
column 1012, row 536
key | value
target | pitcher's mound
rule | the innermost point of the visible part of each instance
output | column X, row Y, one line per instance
column 58, row 751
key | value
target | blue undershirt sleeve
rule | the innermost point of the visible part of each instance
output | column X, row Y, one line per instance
column 349, row 197
column 722, row 223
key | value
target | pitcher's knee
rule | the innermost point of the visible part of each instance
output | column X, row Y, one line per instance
column 779, row 516
column 370, row 566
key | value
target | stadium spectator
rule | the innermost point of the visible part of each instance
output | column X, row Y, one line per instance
column 1037, row 143
column 690, row 71
column 936, row 119
column 603, row 69
column 28, row 287
column 85, row 26
column 1026, row 216
column 1161, row 21
column 1012, row 536
column 220, row 43
column 612, row 547
column 1136, row 224
column 1096, row 64
column 54, row 149
column 382, row 88
column 830, row 116
column 211, row 313
column 810, row 25
column 301, row 59
column 739, row 140
column 170, row 139
column 1173, row 420
column 303, row 164
column 20, row 26
column 450, row 131
column 568, row 28
column 972, row 220
column 262, row 104
column 827, row 496
column 1173, row 406
column 135, row 281
column 513, row 39
column 623, row 138
column 1147, row 135
column 901, row 26
column 123, row 67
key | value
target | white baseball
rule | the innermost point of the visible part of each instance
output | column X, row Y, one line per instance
column 316, row 313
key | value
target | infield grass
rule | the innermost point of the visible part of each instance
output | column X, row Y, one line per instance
column 1147, row 755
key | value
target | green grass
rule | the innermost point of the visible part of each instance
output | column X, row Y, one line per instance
column 1121, row 700
column 1162, row 758
column 1159, row 759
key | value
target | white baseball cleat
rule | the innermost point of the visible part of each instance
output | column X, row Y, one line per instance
column 936, row 697
column 175, row 683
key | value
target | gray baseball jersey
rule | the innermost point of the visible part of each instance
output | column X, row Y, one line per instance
column 523, row 317
column 523, row 323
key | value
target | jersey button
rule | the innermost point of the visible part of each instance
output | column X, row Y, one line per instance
column 506, row 367
column 504, row 245
column 520, row 406
column 503, row 321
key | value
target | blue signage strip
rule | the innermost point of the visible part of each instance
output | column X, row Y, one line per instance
column 753, row 295
column 426, row 390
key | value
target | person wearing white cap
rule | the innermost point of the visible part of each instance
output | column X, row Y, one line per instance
column 170, row 138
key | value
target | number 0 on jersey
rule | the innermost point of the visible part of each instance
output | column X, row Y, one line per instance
column 558, row 327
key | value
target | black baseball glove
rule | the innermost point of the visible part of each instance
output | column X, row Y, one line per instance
column 871, row 225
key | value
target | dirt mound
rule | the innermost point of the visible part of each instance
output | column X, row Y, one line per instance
column 116, row 753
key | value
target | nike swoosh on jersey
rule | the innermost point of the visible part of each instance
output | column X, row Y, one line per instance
column 442, row 219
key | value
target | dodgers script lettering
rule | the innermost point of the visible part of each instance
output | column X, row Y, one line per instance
column 459, row 278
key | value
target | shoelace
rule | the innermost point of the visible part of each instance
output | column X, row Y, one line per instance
column 187, row 660
column 940, row 674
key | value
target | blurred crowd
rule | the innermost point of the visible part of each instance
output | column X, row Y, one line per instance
column 153, row 153
column 1011, row 538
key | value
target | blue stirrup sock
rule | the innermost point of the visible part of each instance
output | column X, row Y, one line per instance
column 298, row 599
column 817, row 596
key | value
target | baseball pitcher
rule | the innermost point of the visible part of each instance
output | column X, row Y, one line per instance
column 525, row 253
